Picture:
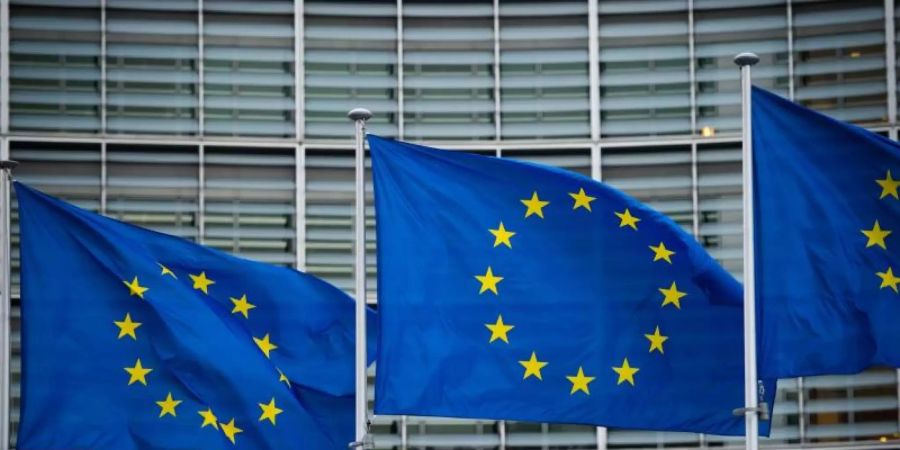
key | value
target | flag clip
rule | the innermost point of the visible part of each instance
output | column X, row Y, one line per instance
column 762, row 410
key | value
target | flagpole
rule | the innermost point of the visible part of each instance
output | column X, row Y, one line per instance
column 6, row 167
column 751, row 407
column 359, row 116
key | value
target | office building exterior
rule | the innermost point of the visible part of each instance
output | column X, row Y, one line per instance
column 224, row 122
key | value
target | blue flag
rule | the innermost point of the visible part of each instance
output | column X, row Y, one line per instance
column 827, row 220
column 136, row 339
column 510, row 290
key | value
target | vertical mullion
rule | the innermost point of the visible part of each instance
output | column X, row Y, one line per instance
column 890, row 49
column 692, row 74
column 300, row 207
column 104, row 178
column 400, row 110
column 801, row 409
column 103, row 69
column 497, row 116
column 299, row 73
column 201, row 72
column 201, row 194
column 790, row 48
column 594, row 69
column 4, row 69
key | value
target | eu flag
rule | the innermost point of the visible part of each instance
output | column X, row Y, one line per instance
column 510, row 290
column 827, row 221
column 135, row 339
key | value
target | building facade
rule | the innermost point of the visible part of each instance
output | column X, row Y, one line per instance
column 224, row 122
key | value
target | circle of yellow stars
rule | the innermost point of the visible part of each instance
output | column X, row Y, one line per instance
column 877, row 236
column 138, row 373
column 489, row 282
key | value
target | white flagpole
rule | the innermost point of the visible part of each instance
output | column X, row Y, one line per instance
column 359, row 116
column 6, row 167
column 751, row 399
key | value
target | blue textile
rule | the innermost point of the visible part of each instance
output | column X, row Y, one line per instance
column 827, row 221
column 597, row 310
column 135, row 339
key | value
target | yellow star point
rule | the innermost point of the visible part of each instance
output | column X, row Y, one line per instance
column 888, row 279
column 876, row 236
column 166, row 271
column 672, row 296
column 283, row 378
column 533, row 367
column 535, row 205
column 230, row 430
column 265, row 345
column 656, row 340
column 138, row 373
column 582, row 200
column 888, row 186
column 627, row 220
column 626, row 373
column 135, row 288
column 269, row 411
column 201, row 282
column 168, row 405
column 127, row 327
column 580, row 382
column 488, row 281
column 241, row 305
column 209, row 419
column 660, row 252
column 502, row 235
column 499, row 330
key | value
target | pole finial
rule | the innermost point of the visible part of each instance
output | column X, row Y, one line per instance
column 746, row 59
column 359, row 114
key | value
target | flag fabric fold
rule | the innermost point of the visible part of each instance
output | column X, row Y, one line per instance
column 827, row 220
column 136, row 339
column 511, row 290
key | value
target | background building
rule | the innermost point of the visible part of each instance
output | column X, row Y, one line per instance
column 223, row 121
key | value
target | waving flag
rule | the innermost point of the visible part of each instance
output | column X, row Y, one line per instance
column 510, row 290
column 136, row 339
column 827, row 225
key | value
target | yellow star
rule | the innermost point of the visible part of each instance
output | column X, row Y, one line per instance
column 241, row 305
column 656, row 340
column 499, row 329
column 168, row 405
column 535, row 205
column 582, row 200
column 201, row 282
column 488, row 281
column 230, row 430
column 283, row 378
column 672, row 296
column 580, row 382
column 138, row 373
column 661, row 252
column 209, row 419
column 888, row 186
column 269, row 411
column 626, row 373
column 876, row 236
column 888, row 279
column 264, row 344
column 533, row 367
column 134, row 288
column 166, row 271
column 127, row 327
column 627, row 220
column 501, row 236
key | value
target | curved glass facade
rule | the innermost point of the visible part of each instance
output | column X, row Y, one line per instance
column 224, row 121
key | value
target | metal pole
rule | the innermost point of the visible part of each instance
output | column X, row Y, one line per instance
column 359, row 116
column 751, row 410
column 6, row 167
